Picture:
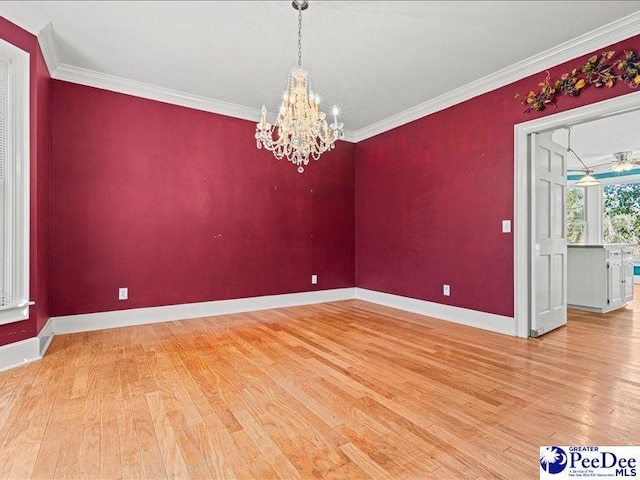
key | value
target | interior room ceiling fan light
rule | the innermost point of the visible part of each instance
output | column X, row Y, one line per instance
column 301, row 131
column 623, row 162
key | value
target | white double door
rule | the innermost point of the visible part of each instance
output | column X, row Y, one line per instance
column 548, row 173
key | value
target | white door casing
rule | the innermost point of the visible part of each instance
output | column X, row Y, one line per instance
column 549, row 255
column 522, row 201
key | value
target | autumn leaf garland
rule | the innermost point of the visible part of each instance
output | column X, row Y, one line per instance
column 600, row 71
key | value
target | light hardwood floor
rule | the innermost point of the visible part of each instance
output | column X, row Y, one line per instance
column 340, row 390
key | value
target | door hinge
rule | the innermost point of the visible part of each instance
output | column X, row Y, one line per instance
column 608, row 302
column 607, row 266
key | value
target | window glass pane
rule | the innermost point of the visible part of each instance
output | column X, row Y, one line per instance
column 621, row 218
column 576, row 222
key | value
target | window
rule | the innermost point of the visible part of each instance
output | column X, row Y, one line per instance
column 621, row 214
column 14, row 183
column 576, row 220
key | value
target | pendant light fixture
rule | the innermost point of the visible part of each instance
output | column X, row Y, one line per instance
column 301, row 131
column 588, row 180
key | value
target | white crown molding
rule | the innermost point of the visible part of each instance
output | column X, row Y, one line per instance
column 349, row 136
column 601, row 37
column 22, row 17
column 47, row 41
column 114, row 83
column 464, row 316
column 142, row 316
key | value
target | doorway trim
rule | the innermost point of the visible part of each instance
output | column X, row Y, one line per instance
column 522, row 196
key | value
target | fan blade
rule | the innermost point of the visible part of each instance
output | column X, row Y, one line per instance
column 608, row 164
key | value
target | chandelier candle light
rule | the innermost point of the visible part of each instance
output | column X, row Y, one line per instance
column 301, row 129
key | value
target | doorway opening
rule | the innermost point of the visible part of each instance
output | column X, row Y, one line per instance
column 525, row 211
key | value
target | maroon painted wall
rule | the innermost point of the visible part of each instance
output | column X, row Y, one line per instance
column 431, row 195
column 179, row 206
column 40, row 146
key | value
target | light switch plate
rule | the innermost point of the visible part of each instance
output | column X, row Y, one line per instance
column 506, row 226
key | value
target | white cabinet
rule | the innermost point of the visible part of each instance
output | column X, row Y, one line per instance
column 627, row 271
column 599, row 277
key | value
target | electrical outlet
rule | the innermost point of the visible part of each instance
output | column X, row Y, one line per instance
column 123, row 293
column 446, row 290
column 314, row 279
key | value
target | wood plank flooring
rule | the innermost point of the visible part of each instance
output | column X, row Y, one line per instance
column 339, row 390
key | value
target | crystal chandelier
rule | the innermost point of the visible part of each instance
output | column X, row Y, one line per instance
column 301, row 131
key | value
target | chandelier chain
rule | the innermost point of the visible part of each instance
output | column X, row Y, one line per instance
column 299, row 35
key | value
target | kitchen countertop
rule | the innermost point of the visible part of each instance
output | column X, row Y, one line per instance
column 601, row 245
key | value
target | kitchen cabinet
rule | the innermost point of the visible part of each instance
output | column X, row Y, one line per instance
column 599, row 277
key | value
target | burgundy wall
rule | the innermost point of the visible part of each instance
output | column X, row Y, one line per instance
column 179, row 206
column 40, row 175
column 40, row 146
column 431, row 195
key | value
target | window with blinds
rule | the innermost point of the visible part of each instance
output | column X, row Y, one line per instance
column 5, row 292
column 14, row 183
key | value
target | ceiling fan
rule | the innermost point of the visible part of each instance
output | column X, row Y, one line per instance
column 622, row 162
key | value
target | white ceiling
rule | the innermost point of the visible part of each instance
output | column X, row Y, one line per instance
column 374, row 59
column 596, row 141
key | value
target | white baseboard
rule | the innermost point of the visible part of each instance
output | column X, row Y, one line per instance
column 32, row 349
column 26, row 351
column 140, row 316
column 464, row 316
column 45, row 336
column 19, row 353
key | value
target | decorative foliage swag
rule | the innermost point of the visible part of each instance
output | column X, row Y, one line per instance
column 604, row 70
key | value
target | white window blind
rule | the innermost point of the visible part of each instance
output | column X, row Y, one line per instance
column 14, row 183
column 5, row 268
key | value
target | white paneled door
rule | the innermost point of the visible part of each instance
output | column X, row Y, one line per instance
column 549, row 242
